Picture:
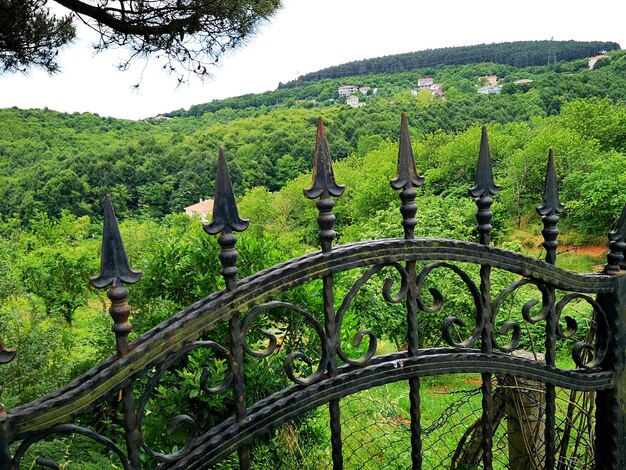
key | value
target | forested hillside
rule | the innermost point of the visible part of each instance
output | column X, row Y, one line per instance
column 53, row 161
column 518, row 54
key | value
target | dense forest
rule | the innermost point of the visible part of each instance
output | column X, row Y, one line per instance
column 53, row 161
column 517, row 54
column 55, row 169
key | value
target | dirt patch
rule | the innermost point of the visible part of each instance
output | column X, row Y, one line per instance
column 474, row 381
column 589, row 250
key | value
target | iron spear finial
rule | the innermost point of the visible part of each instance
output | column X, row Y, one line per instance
column 551, row 203
column 483, row 189
column 407, row 174
column 323, row 176
column 407, row 179
column 225, row 214
column 549, row 211
column 114, row 265
column 484, row 184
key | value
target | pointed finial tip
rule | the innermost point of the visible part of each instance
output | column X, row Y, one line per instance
column 484, row 184
column 550, row 203
column 406, row 175
column 114, row 265
column 323, row 183
column 225, row 213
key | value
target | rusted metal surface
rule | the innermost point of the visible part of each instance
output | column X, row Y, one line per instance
column 115, row 271
column 226, row 220
column 334, row 375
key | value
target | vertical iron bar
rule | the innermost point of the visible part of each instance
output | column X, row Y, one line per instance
column 225, row 220
column 409, row 211
column 407, row 179
column 549, row 211
column 326, row 220
column 115, row 271
column 119, row 311
column 610, row 430
column 228, row 257
column 482, row 191
column 323, row 187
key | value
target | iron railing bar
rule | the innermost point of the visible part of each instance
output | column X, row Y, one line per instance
column 406, row 180
column 323, row 186
column 226, row 220
column 549, row 210
column 482, row 191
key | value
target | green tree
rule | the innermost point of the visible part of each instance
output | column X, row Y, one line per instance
column 189, row 33
column 59, row 275
column 31, row 36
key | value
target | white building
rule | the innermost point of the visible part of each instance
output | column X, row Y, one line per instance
column 347, row 90
column 353, row 101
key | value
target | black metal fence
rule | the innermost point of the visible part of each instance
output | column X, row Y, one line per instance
column 572, row 418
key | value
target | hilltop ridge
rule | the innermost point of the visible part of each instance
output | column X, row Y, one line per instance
column 517, row 54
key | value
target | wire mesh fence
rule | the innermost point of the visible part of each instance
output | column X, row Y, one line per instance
column 376, row 428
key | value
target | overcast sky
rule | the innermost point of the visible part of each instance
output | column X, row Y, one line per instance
column 304, row 36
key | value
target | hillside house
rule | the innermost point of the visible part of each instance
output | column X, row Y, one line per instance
column 364, row 90
column 353, row 101
column 594, row 59
column 424, row 83
column 347, row 90
column 523, row 81
column 435, row 90
column 203, row 208
column 491, row 80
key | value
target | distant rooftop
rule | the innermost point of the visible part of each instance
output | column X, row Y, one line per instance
column 203, row 207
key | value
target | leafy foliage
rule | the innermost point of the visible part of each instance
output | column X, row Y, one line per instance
column 31, row 36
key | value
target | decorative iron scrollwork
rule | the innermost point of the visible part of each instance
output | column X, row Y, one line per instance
column 512, row 327
column 387, row 295
column 438, row 302
column 183, row 419
column 595, row 353
column 273, row 342
column 66, row 429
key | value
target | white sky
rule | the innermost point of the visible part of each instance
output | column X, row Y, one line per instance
column 305, row 36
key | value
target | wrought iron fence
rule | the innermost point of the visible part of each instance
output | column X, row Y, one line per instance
column 482, row 428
